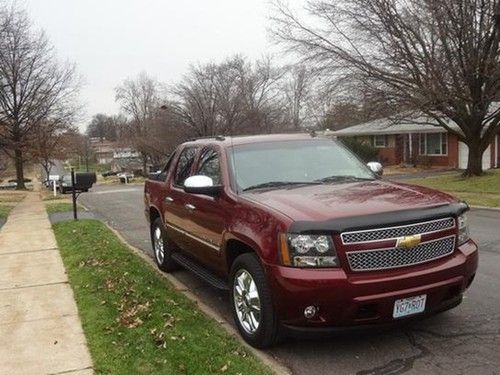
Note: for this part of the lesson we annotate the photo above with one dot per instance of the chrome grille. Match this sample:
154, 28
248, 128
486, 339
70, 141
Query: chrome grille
381, 259
400, 231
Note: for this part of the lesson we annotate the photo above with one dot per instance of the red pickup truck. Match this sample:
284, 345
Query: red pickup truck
306, 238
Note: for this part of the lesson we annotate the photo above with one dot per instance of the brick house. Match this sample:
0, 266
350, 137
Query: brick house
107, 152
415, 143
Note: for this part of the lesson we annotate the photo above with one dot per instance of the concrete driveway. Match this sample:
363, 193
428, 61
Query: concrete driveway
465, 340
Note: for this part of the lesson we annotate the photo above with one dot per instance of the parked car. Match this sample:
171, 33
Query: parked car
65, 184
49, 183
306, 238
108, 173
8, 185
125, 177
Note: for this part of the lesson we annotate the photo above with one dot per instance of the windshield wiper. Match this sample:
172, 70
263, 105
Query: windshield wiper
343, 178
272, 184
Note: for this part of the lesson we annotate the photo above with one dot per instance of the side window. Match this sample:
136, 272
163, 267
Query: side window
184, 164
209, 165
166, 168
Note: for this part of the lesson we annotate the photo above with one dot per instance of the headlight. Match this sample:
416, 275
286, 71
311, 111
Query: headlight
308, 250
463, 229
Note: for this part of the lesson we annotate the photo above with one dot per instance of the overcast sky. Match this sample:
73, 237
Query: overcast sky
111, 40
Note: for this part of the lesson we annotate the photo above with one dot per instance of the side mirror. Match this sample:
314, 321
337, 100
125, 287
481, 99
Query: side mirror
376, 168
201, 185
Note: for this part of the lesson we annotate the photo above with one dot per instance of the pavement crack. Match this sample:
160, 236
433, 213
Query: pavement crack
33, 286
399, 365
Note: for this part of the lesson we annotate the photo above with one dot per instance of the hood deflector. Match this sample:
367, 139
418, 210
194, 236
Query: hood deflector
378, 220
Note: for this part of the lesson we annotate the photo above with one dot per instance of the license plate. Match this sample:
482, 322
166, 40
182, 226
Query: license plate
409, 306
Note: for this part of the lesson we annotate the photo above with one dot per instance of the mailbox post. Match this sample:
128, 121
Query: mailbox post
73, 193
53, 178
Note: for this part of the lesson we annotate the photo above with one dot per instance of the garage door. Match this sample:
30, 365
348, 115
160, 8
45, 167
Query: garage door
463, 155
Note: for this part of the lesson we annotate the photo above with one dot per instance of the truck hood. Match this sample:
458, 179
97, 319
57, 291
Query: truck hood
332, 201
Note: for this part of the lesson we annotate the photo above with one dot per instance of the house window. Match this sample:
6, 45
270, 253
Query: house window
379, 141
434, 144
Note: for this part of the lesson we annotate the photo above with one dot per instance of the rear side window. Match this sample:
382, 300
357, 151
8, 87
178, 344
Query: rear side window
186, 159
209, 165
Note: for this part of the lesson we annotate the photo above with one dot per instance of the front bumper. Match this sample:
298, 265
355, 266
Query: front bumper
346, 299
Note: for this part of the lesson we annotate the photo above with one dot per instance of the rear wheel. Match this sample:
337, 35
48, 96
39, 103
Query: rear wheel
162, 248
252, 308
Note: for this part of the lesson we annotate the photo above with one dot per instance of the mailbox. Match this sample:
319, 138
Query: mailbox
84, 180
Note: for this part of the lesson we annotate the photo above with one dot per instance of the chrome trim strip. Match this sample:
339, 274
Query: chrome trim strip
405, 265
209, 244
396, 227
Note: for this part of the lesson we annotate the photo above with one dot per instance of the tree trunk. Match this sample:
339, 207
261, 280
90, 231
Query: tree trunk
144, 165
18, 160
46, 167
475, 161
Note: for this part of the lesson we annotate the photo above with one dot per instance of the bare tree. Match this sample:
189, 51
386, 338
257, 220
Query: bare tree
298, 92
139, 99
260, 85
231, 97
196, 100
33, 87
106, 127
47, 144
439, 57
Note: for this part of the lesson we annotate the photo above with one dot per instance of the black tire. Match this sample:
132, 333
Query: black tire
267, 332
165, 263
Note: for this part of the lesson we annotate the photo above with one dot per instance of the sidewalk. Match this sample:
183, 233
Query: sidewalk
40, 330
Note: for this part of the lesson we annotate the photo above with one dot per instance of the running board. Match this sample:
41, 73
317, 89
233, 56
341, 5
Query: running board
200, 271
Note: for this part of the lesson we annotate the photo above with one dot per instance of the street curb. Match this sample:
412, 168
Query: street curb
486, 208
179, 286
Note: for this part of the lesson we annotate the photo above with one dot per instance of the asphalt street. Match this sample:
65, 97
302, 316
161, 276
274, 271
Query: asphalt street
465, 340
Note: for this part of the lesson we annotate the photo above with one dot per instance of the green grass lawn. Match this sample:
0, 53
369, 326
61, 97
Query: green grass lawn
4, 210
480, 191
134, 321
56, 207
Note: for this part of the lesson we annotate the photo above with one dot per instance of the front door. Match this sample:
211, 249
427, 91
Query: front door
176, 216
208, 215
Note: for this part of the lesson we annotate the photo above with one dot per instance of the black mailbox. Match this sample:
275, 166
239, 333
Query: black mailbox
84, 180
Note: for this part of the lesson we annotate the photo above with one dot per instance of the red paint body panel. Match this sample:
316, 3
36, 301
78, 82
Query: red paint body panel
256, 219
339, 295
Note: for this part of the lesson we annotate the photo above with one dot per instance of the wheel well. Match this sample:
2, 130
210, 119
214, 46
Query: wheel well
153, 214
234, 249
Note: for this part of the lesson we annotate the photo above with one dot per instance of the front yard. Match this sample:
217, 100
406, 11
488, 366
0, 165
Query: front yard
134, 321
479, 191
8, 200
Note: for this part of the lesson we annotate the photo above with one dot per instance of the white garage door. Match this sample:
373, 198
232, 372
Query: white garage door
463, 155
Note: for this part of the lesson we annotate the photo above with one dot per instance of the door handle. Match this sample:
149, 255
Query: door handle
169, 199
190, 207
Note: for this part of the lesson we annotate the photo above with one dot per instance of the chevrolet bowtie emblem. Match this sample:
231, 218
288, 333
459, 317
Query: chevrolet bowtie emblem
409, 241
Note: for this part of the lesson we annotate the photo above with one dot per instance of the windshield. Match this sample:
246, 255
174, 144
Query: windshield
293, 163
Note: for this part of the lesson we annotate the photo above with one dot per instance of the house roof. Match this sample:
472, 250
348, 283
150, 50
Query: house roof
413, 124
389, 125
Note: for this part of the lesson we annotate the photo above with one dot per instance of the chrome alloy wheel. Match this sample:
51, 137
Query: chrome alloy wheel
158, 245
246, 301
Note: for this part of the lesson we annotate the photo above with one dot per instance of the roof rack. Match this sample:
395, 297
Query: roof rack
216, 137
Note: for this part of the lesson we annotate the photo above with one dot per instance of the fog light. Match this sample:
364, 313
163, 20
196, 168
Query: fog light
310, 311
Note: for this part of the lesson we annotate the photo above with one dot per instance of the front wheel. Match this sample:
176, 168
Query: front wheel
252, 308
161, 247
